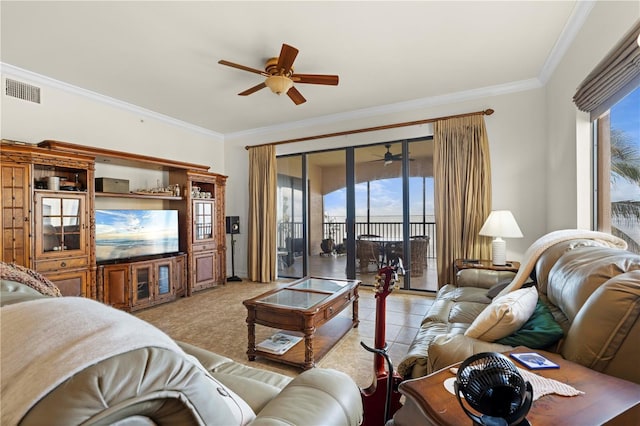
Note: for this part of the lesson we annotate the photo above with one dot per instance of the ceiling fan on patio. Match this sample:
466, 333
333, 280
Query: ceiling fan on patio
389, 158
280, 76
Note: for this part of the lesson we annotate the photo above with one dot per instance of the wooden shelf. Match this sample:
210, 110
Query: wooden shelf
324, 339
133, 195
25, 165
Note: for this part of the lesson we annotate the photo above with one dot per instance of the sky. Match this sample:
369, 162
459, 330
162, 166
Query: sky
625, 115
386, 200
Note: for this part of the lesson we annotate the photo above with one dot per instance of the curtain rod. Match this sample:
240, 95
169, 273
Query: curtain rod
371, 129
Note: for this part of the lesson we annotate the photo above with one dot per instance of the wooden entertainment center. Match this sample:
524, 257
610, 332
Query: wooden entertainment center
49, 202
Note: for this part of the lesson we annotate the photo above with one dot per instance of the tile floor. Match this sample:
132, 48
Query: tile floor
215, 320
404, 313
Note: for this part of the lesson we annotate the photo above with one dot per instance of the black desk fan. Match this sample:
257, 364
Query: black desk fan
492, 385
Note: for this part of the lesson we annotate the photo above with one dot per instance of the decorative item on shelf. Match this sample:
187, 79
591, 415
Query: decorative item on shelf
104, 184
500, 224
77, 182
492, 385
67, 185
53, 183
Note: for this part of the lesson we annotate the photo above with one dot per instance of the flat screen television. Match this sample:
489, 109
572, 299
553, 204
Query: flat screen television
126, 234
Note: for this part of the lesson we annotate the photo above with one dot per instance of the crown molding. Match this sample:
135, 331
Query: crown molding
483, 92
579, 15
9, 70
577, 18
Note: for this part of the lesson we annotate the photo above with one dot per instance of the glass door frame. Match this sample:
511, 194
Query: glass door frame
350, 182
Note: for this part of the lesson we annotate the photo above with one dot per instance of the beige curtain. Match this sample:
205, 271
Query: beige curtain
262, 214
462, 173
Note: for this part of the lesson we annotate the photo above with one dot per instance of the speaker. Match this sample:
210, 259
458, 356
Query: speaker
233, 224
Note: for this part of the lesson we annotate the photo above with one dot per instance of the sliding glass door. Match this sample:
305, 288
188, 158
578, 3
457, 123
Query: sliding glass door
326, 177
291, 250
422, 230
345, 213
378, 209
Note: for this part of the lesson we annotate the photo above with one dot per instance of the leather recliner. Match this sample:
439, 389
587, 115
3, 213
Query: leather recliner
151, 384
593, 292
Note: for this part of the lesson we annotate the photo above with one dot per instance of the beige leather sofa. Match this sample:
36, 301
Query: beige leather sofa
71, 361
592, 290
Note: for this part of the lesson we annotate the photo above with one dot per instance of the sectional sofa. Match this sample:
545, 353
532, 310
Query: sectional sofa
577, 293
71, 360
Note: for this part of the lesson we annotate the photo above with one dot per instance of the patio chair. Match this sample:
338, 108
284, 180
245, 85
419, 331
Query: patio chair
418, 256
367, 252
423, 237
393, 251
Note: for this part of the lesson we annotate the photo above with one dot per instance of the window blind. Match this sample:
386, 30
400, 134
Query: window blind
613, 78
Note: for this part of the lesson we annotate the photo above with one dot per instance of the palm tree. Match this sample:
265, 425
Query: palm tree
625, 164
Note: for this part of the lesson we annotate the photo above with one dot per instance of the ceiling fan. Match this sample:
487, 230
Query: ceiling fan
280, 76
389, 158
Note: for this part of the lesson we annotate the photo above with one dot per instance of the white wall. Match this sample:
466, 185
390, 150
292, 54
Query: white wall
89, 119
567, 138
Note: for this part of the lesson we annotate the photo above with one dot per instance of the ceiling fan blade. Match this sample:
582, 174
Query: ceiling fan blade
242, 67
287, 56
253, 89
329, 80
296, 96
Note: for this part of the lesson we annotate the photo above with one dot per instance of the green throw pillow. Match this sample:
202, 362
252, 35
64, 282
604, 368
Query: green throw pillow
540, 331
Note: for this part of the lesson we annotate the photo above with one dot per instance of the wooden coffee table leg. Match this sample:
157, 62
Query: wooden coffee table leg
308, 348
354, 308
251, 329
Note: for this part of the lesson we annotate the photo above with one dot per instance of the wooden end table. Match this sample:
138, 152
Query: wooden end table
511, 266
606, 399
308, 306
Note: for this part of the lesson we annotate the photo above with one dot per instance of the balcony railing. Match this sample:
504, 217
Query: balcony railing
338, 231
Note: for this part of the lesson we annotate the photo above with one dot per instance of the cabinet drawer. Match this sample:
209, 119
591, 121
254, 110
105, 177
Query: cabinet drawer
58, 264
71, 283
204, 247
338, 305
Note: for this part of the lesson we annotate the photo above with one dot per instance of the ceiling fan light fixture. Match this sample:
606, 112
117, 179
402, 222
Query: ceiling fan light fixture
279, 84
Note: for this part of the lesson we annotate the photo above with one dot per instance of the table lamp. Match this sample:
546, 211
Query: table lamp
500, 224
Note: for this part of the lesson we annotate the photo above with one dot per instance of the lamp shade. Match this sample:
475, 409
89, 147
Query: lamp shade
278, 83
501, 223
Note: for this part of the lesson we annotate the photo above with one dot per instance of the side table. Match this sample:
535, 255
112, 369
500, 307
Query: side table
606, 399
460, 264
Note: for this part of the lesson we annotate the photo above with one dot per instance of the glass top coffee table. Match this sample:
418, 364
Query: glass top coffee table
308, 307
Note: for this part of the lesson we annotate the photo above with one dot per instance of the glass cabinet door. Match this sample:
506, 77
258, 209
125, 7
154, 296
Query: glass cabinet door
142, 289
59, 223
203, 220
164, 279
142, 274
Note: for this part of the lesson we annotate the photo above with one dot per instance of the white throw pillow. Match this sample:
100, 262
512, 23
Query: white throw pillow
504, 315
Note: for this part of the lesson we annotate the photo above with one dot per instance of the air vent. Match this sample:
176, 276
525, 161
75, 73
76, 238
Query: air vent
21, 90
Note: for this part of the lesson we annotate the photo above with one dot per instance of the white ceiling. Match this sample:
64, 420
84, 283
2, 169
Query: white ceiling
162, 56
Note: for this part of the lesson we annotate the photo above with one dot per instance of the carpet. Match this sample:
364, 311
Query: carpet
215, 320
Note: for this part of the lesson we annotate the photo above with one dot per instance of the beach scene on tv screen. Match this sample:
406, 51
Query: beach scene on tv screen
122, 234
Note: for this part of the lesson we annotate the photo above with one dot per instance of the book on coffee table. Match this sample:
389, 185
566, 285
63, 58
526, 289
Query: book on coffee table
278, 344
